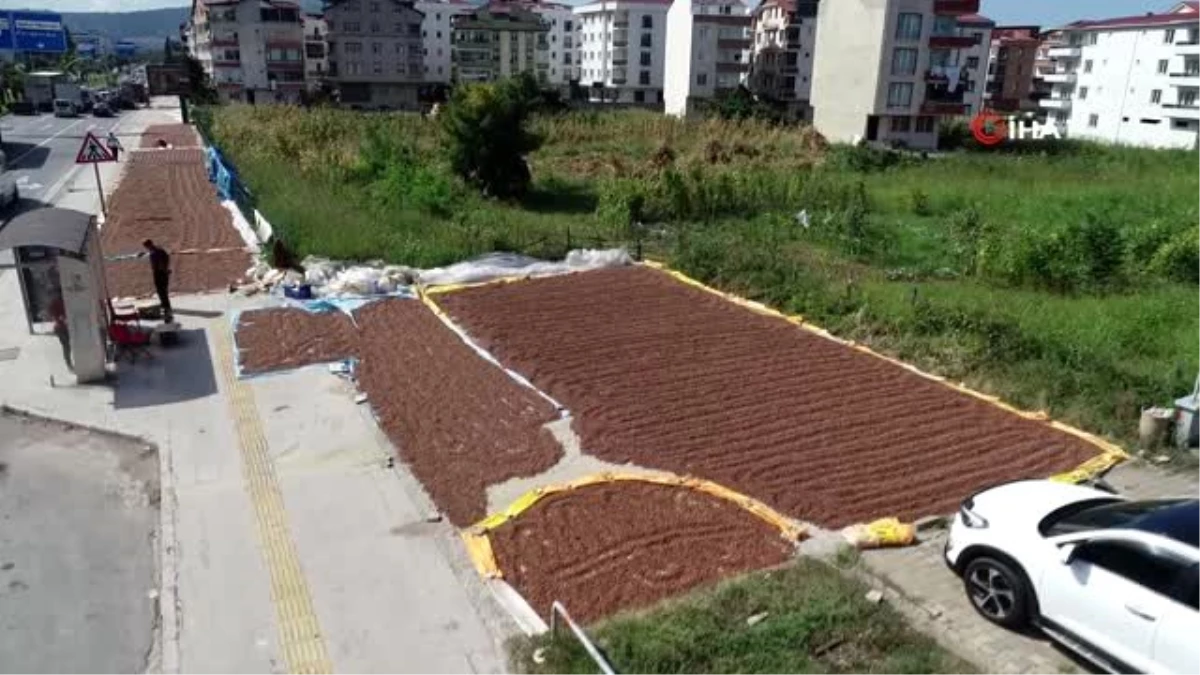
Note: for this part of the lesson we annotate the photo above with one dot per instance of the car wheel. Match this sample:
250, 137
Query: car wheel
997, 591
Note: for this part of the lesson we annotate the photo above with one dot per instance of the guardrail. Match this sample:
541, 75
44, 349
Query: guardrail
556, 610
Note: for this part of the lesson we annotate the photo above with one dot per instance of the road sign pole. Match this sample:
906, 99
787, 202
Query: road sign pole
100, 189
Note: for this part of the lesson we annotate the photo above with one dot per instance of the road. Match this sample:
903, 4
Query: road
78, 512
41, 150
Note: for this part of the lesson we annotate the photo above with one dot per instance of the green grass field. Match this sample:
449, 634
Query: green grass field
816, 621
1061, 276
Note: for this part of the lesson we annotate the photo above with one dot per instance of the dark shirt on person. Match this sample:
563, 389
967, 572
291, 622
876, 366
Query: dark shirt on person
160, 261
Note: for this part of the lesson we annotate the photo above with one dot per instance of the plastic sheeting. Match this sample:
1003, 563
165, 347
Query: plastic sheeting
497, 266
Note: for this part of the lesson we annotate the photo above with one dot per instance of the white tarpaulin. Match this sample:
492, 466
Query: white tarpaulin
500, 265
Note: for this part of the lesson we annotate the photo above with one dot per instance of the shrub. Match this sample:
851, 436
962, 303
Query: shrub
487, 136
920, 202
864, 158
1178, 259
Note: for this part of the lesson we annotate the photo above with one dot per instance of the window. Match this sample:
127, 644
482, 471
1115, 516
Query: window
414, 29
1093, 120
1087, 66
901, 124
977, 37
970, 85
353, 47
647, 22
1083, 93
904, 61
1187, 98
908, 26
376, 48
400, 69
568, 26
377, 68
899, 94
1157, 573
645, 59
399, 48
1093, 38
639, 96
1061, 117
374, 6
1149, 121
1169, 36
702, 79
644, 77
353, 27
972, 61
568, 42
1162, 66
1156, 96
925, 124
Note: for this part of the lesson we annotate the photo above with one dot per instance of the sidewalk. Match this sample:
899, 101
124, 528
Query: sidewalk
288, 544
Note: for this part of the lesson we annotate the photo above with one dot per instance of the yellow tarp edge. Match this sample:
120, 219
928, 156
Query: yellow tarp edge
479, 546
451, 288
1110, 454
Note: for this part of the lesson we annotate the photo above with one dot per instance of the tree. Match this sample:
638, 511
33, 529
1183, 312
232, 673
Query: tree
200, 89
487, 136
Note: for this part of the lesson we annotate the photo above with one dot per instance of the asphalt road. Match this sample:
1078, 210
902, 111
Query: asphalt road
41, 150
78, 513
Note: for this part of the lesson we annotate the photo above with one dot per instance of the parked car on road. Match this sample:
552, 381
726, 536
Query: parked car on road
101, 109
1111, 579
65, 108
10, 195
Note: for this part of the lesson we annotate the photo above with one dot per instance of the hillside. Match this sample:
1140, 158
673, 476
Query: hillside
150, 25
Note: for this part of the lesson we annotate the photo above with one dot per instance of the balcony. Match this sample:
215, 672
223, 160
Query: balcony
620, 37
620, 56
728, 67
943, 108
1065, 52
1059, 77
955, 7
227, 63
733, 43
952, 41
1055, 103
1188, 44
1178, 76
1183, 111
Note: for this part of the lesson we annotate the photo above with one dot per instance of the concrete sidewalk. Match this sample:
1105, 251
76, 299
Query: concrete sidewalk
288, 542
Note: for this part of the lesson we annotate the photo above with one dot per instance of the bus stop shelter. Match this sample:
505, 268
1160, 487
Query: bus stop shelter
57, 252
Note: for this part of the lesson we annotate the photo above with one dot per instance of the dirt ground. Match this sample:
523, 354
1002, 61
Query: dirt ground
625, 545
178, 135
166, 196
671, 377
280, 339
459, 422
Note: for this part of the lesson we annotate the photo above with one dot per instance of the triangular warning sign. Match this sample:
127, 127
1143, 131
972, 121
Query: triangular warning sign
93, 151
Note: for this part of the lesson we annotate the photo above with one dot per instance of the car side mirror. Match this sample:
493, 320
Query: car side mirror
1066, 553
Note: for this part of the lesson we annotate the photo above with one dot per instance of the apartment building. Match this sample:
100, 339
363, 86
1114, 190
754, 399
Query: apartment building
1133, 80
783, 36
316, 59
1012, 68
252, 50
500, 40
975, 59
562, 41
622, 49
436, 34
707, 52
376, 57
887, 70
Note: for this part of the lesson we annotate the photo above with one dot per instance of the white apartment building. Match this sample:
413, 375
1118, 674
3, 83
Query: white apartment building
561, 41
887, 70
252, 50
1133, 80
316, 56
975, 59
708, 52
622, 49
783, 37
436, 31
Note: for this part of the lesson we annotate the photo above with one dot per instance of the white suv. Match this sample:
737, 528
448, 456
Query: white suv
1112, 579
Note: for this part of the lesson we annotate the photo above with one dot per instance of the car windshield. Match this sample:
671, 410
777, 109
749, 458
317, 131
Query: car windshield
1178, 519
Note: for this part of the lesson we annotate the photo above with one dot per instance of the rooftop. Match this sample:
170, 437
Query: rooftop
1182, 13
975, 20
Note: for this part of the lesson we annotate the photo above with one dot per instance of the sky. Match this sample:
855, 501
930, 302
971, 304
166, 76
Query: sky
1046, 13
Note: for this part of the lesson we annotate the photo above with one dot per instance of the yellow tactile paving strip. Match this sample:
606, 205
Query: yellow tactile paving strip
301, 643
